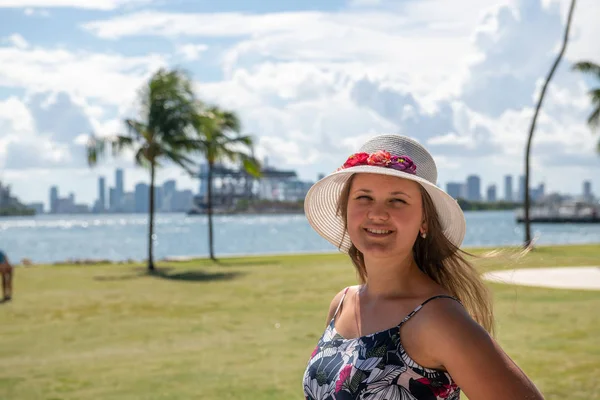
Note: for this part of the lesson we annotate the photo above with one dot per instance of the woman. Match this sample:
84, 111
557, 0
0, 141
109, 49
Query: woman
6, 269
417, 326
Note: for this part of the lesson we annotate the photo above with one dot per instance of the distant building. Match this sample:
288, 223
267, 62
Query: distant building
169, 190
53, 200
587, 191
456, 190
112, 200
295, 190
6, 199
183, 201
119, 187
141, 198
128, 202
491, 194
538, 193
521, 189
67, 205
101, 205
203, 189
508, 188
38, 207
473, 188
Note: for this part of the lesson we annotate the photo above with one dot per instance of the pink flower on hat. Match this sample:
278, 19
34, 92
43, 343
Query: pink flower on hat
380, 158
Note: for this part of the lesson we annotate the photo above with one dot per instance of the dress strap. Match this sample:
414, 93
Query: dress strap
341, 301
416, 310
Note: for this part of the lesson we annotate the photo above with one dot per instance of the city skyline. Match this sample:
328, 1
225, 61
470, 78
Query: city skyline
472, 189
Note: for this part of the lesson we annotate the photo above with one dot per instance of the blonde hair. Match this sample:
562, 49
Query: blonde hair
441, 260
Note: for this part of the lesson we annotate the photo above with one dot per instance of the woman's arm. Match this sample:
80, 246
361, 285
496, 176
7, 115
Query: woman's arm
475, 361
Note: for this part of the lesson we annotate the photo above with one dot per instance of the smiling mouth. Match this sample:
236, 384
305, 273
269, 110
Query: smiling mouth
379, 232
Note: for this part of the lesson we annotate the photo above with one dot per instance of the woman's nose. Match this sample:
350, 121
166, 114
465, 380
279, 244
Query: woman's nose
378, 212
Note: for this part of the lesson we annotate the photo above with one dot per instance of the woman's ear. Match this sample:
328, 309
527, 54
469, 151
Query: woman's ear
424, 228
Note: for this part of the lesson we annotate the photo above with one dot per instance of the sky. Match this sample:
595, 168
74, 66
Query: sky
311, 80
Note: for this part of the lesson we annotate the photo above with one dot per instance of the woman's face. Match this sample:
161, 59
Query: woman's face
385, 214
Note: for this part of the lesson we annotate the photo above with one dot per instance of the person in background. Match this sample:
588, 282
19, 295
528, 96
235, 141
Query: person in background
6, 269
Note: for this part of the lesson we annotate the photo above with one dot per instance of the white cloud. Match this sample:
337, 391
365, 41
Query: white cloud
190, 51
111, 79
17, 40
87, 4
364, 3
36, 12
21, 146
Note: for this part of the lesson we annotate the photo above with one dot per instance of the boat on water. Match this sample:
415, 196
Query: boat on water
565, 212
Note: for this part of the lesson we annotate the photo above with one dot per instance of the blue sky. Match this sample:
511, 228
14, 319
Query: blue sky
310, 79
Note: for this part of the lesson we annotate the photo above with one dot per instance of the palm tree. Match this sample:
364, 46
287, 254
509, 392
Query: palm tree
594, 118
528, 243
167, 107
218, 139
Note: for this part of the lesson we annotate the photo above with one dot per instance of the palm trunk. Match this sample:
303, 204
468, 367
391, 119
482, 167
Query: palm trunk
526, 206
209, 212
151, 219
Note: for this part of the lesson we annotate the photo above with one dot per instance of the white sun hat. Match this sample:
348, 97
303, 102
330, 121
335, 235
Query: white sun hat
393, 155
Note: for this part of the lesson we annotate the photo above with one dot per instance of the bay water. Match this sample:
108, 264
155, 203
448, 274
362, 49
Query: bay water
119, 237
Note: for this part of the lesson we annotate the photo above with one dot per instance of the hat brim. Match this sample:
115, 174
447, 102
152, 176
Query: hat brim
321, 202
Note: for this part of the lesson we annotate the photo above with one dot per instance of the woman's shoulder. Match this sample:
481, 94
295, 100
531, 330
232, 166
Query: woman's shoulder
337, 299
437, 311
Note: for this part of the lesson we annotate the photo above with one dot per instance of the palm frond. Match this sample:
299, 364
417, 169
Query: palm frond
252, 166
137, 129
96, 146
587, 67
594, 118
246, 141
95, 149
120, 143
182, 160
169, 104
140, 158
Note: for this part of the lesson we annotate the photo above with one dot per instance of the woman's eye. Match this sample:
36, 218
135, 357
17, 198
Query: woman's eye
399, 201
363, 198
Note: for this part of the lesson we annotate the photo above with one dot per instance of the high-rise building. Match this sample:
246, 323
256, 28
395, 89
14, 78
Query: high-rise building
203, 190
473, 188
141, 198
455, 190
491, 194
101, 194
158, 198
169, 187
112, 199
521, 188
508, 188
169, 191
537, 193
53, 199
183, 201
119, 189
587, 191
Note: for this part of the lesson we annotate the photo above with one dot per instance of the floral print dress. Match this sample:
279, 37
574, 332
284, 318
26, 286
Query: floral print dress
372, 367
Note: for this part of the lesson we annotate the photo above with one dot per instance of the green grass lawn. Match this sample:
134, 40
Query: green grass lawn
244, 329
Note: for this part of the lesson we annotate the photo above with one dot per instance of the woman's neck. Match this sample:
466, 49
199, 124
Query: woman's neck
389, 278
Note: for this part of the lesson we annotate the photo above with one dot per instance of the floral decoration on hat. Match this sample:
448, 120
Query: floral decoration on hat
381, 158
